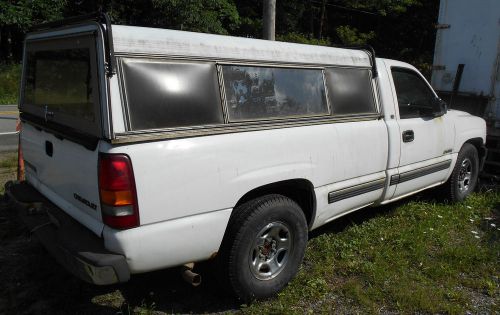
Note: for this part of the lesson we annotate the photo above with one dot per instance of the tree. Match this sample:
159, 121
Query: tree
213, 16
17, 16
400, 29
210, 16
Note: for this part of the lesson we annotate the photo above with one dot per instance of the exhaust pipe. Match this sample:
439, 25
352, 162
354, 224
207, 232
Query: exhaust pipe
189, 276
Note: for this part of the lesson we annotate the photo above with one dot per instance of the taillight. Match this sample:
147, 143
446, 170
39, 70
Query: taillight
117, 191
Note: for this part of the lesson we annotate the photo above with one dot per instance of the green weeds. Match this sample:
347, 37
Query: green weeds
419, 257
8, 165
10, 76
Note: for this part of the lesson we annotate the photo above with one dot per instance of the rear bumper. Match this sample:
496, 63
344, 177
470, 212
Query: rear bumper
76, 248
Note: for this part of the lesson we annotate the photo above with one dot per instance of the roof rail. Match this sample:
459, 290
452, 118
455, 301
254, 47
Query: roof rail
100, 17
369, 49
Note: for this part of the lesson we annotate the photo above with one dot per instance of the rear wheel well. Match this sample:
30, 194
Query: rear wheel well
478, 144
299, 190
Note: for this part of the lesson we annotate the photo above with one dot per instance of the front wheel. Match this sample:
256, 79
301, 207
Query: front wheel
463, 179
264, 246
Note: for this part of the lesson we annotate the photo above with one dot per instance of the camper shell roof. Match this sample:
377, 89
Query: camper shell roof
146, 41
165, 42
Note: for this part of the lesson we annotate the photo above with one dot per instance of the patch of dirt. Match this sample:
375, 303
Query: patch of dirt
33, 283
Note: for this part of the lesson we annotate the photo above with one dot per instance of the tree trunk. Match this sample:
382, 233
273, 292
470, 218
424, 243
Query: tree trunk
311, 19
4, 44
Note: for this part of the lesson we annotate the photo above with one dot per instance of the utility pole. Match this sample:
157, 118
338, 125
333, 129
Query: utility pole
322, 19
269, 18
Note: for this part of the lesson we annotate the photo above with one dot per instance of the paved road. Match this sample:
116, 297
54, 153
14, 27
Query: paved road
8, 135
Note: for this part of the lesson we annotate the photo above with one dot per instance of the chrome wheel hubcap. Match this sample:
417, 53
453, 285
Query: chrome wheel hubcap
465, 175
270, 251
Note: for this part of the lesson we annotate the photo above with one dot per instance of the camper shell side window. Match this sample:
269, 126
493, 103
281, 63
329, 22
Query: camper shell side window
350, 91
165, 94
258, 92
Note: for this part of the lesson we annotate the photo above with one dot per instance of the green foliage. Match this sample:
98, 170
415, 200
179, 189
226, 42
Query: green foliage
10, 76
399, 29
25, 13
214, 16
351, 36
302, 39
420, 257
17, 16
382, 7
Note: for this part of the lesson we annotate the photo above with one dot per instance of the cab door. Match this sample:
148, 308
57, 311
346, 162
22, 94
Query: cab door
426, 133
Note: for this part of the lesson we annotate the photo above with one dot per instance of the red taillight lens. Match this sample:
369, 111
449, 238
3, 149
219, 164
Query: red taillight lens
117, 190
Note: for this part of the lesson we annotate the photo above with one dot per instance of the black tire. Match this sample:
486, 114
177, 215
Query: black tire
457, 188
279, 215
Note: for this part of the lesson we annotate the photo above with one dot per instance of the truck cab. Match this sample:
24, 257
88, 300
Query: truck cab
426, 134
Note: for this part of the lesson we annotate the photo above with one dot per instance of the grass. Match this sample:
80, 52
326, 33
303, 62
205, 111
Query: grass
419, 257
8, 161
10, 76
8, 168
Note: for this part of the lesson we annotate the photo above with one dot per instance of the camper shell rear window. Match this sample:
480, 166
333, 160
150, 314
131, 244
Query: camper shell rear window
61, 84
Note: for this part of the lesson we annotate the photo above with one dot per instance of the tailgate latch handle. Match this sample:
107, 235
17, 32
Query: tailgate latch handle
49, 148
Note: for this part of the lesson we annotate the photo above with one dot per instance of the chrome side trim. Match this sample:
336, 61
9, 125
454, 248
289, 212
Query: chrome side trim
356, 190
152, 135
413, 174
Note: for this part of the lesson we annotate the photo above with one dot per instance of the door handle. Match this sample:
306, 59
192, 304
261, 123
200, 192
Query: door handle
408, 136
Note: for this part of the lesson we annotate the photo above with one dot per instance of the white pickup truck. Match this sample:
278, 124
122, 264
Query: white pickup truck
150, 148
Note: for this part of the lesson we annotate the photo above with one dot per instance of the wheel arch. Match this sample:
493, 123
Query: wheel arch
299, 190
481, 150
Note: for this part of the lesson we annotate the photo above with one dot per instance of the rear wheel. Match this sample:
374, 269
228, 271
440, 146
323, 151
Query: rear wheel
463, 179
264, 246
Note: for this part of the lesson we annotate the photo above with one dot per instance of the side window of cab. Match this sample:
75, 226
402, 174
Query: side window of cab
415, 98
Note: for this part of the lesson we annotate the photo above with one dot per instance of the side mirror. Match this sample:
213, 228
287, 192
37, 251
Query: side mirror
440, 107
444, 106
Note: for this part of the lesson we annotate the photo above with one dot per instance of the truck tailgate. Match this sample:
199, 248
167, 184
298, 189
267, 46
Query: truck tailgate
65, 173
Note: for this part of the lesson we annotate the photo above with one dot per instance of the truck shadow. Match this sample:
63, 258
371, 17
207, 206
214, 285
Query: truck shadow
366, 214
165, 291
33, 283
362, 215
